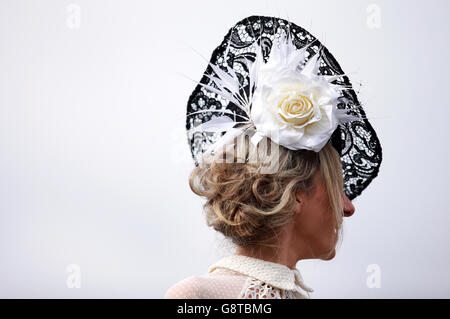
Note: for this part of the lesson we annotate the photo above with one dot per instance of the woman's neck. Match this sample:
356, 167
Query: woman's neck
283, 251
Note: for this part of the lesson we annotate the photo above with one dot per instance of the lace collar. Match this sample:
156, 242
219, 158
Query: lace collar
274, 274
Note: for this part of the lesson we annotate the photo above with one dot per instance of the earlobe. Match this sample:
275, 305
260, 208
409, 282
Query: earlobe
297, 207
299, 197
298, 202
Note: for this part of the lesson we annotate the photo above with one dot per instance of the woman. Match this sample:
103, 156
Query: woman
297, 148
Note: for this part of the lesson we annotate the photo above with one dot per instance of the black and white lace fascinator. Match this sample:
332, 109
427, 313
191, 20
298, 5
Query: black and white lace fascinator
274, 78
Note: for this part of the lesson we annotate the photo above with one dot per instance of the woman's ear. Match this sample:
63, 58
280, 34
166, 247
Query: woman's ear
298, 202
299, 196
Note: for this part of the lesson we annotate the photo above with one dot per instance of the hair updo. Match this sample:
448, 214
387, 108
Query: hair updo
250, 206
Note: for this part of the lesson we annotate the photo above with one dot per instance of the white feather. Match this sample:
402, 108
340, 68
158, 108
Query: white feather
222, 93
216, 124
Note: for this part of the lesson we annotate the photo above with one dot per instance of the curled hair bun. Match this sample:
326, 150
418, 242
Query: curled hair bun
250, 207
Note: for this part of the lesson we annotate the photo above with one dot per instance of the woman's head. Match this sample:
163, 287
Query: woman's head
302, 196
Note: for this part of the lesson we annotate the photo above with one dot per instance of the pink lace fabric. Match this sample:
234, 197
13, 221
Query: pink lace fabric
241, 277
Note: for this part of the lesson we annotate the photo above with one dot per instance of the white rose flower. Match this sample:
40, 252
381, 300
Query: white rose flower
297, 106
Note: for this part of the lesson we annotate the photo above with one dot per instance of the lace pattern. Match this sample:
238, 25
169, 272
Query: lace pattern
256, 289
356, 141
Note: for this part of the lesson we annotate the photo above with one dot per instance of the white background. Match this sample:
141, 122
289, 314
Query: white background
94, 162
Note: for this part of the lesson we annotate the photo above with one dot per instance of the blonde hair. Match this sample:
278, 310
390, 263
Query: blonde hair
250, 206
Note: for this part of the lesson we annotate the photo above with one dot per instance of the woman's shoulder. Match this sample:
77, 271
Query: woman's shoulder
187, 288
213, 285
